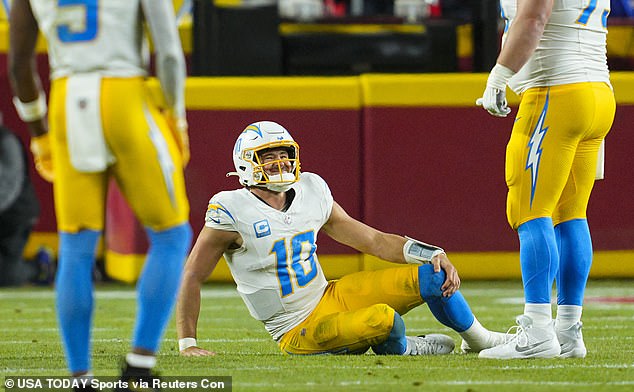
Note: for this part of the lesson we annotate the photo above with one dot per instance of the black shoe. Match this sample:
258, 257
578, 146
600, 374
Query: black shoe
136, 379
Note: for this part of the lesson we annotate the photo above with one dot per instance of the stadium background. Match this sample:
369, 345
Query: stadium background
408, 153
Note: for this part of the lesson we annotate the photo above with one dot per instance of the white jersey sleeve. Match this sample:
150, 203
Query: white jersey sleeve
277, 271
572, 48
170, 60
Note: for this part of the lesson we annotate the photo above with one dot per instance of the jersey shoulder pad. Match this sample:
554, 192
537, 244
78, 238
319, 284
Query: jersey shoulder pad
219, 209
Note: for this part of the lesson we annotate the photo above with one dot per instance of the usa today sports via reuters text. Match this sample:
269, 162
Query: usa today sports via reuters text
46, 384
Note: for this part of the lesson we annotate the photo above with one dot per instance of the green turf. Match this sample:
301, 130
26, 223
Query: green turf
30, 346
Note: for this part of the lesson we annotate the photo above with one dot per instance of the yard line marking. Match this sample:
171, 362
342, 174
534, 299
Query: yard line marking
308, 365
31, 371
26, 329
428, 382
125, 293
540, 383
245, 340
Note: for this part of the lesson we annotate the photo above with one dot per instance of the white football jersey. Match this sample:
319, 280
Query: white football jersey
80, 37
572, 48
276, 270
108, 38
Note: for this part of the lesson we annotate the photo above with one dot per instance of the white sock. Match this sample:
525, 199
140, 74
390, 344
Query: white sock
408, 350
568, 315
476, 335
541, 314
141, 361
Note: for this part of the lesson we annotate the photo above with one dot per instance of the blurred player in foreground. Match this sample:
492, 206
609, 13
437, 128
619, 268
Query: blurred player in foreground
102, 123
554, 56
267, 232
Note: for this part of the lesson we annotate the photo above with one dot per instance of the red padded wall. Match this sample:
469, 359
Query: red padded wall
329, 146
437, 174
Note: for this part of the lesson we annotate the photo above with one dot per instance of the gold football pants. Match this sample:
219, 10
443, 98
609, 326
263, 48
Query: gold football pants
551, 157
356, 312
149, 175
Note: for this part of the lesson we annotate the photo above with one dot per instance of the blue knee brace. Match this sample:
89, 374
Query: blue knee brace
454, 311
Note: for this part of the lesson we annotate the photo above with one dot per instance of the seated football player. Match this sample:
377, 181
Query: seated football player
267, 233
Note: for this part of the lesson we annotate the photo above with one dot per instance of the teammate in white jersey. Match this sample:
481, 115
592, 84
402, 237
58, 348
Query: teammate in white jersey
267, 232
103, 122
553, 55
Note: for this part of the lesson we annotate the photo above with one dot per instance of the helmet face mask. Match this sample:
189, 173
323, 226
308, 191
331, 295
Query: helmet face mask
257, 139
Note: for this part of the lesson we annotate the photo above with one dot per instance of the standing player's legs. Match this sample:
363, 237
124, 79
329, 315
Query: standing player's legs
571, 226
149, 173
80, 222
540, 155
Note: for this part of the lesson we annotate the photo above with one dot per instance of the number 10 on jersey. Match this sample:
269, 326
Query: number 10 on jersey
290, 270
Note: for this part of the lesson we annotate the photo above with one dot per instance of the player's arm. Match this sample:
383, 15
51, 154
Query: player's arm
525, 32
29, 98
25, 81
390, 247
520, 42
202, 260
345, 229
170, 66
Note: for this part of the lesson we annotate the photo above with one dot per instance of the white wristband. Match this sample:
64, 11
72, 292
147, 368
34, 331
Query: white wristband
31, 111
418, 252
499, 76
185, 343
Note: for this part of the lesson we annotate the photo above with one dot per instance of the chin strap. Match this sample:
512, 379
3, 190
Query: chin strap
279, 187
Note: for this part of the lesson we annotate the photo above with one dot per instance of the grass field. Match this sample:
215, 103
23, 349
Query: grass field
30, 345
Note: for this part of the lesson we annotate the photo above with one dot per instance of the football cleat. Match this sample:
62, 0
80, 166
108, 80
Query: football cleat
571, 341
432, 344
494, 339
527, 342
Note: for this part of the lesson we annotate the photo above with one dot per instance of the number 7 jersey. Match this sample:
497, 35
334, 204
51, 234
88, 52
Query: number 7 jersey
276, 269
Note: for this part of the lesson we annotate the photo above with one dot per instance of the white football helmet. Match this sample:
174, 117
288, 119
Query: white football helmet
256, 138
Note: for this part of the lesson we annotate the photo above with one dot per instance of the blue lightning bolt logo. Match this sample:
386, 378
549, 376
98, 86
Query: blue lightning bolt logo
535, 149
215, 211
253, 128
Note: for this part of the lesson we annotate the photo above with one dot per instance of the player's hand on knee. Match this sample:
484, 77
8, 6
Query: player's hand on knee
196, 352
41, 149
452, 281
